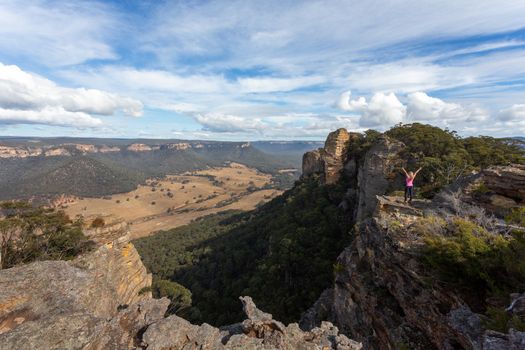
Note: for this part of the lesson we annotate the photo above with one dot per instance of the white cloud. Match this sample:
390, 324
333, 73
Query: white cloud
57, 116
382, 109
346, 104
513, 113
258, 85
407, 76
422, 107
218, 122
386, 110
25, 96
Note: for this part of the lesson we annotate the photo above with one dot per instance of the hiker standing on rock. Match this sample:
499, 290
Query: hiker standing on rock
409, 181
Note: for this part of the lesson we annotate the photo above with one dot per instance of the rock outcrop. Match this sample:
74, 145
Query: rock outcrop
259, 331
381, 295
508, 181
75, 304
330, 160
313, 163
335, 149
497, 189
139, 147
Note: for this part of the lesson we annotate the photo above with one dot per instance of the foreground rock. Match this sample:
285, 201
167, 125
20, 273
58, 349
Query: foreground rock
102, 301
259, 331
70, 305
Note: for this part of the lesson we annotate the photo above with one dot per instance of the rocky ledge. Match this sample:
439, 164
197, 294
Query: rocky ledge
102, 300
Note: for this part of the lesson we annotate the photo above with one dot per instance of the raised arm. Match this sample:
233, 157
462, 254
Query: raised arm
406, 174
417, 171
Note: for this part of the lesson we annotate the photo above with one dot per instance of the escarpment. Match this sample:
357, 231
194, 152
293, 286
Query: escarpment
382, 294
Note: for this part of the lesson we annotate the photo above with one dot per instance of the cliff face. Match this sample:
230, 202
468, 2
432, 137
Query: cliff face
381, 295
67, 304
377, 175
101, 301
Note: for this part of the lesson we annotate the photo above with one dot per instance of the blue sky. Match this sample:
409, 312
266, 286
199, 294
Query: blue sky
254, 70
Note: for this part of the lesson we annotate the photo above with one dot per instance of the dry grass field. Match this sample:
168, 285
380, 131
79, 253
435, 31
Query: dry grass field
178, 199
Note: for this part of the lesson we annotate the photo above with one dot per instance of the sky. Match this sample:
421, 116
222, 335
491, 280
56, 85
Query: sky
260, 70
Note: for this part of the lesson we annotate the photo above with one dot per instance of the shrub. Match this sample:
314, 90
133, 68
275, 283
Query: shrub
30, 234
501, 321
98, 222
516, 216
179, 296
476, 262
481, 188
145, 290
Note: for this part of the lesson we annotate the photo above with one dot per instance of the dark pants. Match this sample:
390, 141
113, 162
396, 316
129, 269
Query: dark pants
409, 191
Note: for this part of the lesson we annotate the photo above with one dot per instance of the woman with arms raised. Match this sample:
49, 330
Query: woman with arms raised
409, 184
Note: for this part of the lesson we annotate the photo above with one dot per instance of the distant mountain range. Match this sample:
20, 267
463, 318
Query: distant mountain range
96, 167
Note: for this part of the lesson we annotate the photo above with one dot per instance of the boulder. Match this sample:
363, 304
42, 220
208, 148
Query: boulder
508, 181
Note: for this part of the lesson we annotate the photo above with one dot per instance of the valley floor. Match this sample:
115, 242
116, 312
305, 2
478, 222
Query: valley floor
178, 199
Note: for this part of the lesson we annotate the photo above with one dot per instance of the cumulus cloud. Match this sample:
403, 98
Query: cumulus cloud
57, 116
346, 104
384, 110
30, 98
422, 107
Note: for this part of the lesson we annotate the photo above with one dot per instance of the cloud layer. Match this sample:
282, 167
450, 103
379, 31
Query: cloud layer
249, 69
29, 98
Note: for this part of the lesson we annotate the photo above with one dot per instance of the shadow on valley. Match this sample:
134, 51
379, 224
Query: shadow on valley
281, 254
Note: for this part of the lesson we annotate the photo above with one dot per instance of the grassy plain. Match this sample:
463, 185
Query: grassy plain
178, 199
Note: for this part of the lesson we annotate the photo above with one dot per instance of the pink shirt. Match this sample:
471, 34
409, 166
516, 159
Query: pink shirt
409, 181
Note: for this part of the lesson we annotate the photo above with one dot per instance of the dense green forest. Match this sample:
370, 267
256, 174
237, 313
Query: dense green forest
281, 254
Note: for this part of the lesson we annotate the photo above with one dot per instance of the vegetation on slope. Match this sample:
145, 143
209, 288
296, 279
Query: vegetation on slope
28, 234
479, 263
445, 156
99, 174
281, 254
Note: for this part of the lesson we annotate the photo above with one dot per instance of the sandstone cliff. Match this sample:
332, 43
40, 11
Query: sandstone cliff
67, 304
102, 301
329, 161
